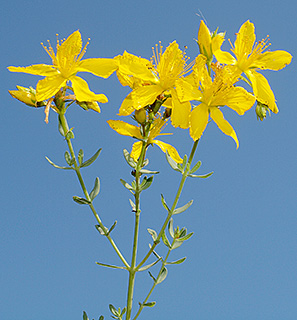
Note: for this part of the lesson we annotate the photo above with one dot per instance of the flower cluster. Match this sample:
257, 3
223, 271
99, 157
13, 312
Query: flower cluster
165, 86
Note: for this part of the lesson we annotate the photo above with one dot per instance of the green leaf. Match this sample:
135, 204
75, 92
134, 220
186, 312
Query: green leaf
81, 200
127, 185
110, 266
91, 160
132, 205
152, 276
56, 166
172, 163
185, 161
124, 311
176, 244
203, 176
179, 261
129, 159
153, 233
186, 237
80, 156
183, 208
112, 227
145, 171
149, 265
170, 228
100, 230
163, 275
146, 182
69, 135
96, 189
85, 317
101, 318
149, 304
155, 253
196, 167
113, 310
164, 203
67, 158
145, 162
165, 240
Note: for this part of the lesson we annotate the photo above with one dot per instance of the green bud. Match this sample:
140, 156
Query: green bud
27, 96
261, 111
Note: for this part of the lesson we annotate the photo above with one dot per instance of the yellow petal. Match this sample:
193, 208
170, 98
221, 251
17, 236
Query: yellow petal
217, 42
224, 57
136, 150
180, 112
275, 60
124, 128
146, 95
218, 117
236, 98
186, 91
101, 67
245, 40
36, 69
49, 86
198, 121
204, 40
126, 106
70, 48
83, 93
170, 149
262, 90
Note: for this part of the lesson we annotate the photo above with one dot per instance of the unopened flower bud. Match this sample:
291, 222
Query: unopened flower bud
86, 105
27, 96
140, 116
261, 110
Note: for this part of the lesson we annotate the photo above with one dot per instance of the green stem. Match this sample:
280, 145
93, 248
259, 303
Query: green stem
132, 269
170, 213
81, 181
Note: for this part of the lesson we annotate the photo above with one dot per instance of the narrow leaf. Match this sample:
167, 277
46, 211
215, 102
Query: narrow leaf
127, 185
145, 171
149, 304
96, 189
155, 253
69, 135
80, 200
129, 159
183, 208
163, 275
56, 166
203, 176
170, 228
146, 182
132, 205
171, 162
196, 167
185, 160
164, 203
80, 156
60, 128
186, 237
145, 162
110, 266
153, 233
176, 244
67, 158
101, 318
100, 230
152, 276
177, 261
113, 310
149, 265
85, 317
112, 227
91, 160
165, 240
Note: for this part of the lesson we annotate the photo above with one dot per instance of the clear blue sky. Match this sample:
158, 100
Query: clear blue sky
241, 262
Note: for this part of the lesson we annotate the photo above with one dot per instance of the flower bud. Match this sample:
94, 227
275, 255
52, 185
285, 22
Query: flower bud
261, 111
27, 96
86, 105
140, 116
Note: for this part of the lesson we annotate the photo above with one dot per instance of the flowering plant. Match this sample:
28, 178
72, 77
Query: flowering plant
164, 89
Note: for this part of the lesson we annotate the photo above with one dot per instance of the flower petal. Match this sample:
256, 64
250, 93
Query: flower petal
186, 91
275, 60
262, 89
136, 150
170, 149
245, 40
126, 106
125, 128
180, 112
83, 93
36, 69
49, 86
236, 98
146, 95
204, 40
70, 48
101, 67
224, 57
218, 117
198, 121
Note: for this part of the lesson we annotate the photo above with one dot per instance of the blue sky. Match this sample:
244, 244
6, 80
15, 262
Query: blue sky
241, 262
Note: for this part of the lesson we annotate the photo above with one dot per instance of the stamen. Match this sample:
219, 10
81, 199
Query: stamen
83, 50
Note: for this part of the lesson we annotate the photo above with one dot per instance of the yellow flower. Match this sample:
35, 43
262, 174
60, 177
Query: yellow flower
130, 130
212, 96
150, 80
208, 43
66, 63
250, 56
27, 96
